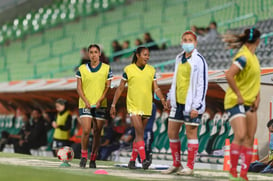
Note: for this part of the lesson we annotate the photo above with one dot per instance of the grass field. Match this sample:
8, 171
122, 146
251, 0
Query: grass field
16, 167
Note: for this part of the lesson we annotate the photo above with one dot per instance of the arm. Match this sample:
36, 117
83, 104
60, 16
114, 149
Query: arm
81, 94
199, 94
116, 97
159, 94
107, 86
67, 125
105, 143
234, 70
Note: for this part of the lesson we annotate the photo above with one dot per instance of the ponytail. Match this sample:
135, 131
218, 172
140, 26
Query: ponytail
237, 40
138, 51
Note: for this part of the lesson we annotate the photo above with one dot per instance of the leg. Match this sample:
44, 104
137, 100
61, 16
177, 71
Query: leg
97, 127
238, 125
175, 145
191, 132
247, 146
139, 132
86, 128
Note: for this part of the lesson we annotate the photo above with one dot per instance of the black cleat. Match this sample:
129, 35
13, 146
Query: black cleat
92, 164
132, 165
146, 164
83, 162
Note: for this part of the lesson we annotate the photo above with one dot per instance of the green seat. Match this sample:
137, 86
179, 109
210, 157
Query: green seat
219, 142
214, 132
160, 140
204, 133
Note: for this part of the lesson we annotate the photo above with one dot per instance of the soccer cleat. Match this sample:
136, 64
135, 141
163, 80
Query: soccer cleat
243, 178
185, 171
146, 164
233, 178
132, 165
172, 169
92, 164
83, 162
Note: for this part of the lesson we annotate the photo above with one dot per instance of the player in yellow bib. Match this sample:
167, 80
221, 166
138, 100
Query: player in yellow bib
62, 125
242, 98
141, 81
93, 82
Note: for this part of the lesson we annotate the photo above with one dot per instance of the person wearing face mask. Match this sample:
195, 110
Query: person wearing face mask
141, 80
186, 98
242, 97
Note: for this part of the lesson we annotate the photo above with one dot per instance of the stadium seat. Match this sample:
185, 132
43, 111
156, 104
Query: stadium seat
216, 122
219, 142
204, 133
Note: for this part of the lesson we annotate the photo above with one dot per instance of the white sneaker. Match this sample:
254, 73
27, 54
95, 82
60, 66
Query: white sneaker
172, 169
185, 171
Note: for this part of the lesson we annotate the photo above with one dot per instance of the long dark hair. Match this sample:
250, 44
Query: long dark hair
250, 35
138, 51
93, 45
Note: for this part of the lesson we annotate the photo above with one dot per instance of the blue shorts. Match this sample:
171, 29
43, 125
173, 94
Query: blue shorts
57, 144
237, 111
178, 115
99, 113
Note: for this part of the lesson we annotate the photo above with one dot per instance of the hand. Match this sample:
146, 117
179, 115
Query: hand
194, 114
54, 124
169, 104
21, 142
255, 106
87, 104
240, 99
113, 112
165, 104
98, 104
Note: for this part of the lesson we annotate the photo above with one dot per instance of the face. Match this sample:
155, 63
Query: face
125, 45
143, 57
25, 118
35, 114
59, 107
146, 37
137, 42
188, 38
94, 54
270, 129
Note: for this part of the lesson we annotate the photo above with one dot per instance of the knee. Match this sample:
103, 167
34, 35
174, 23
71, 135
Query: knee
240, 136
85, 132
173, 134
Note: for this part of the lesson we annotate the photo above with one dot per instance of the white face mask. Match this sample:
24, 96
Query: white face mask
188, 47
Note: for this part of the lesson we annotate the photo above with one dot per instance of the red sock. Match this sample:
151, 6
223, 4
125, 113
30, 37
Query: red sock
192, 151
84, 153
235, 151
134, 152
175, 146
246, 159
93, 157
141, 150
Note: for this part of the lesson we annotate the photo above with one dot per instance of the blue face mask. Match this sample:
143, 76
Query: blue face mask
188, 47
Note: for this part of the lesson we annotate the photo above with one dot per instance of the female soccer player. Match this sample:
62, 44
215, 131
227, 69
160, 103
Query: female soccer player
141, 81
62, 125
187, 100
242, 98
93, 82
